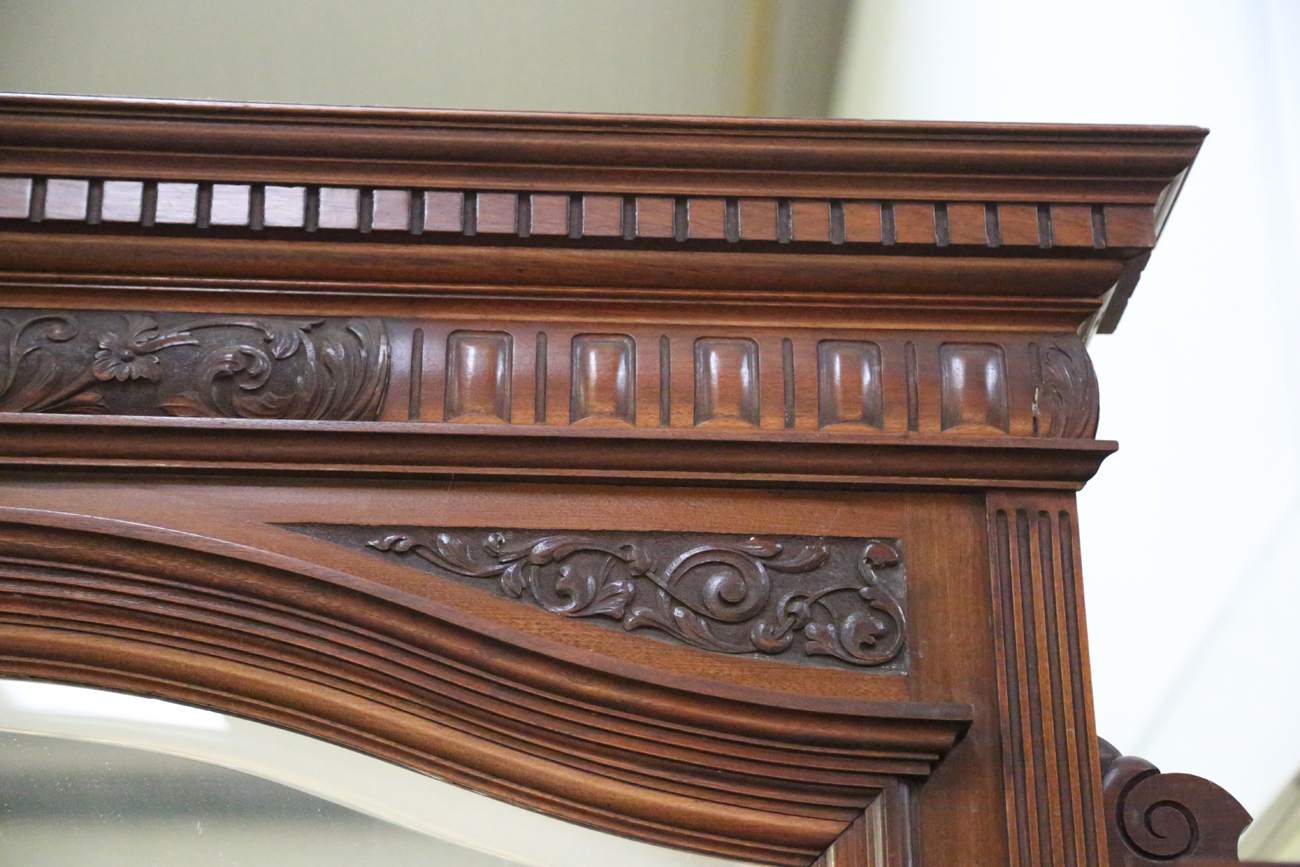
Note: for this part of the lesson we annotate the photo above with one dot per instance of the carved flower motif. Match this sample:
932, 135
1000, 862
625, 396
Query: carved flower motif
121, 358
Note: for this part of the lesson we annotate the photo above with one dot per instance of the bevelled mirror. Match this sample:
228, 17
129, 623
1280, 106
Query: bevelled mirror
92, 777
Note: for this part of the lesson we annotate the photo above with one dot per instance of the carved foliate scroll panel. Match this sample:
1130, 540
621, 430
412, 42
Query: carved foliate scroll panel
648, 377
167, 364
798, 599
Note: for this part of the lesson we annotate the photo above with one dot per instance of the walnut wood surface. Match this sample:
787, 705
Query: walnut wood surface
1152, 817
239, 339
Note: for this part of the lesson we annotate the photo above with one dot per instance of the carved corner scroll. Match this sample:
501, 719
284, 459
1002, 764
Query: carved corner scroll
178, 365
1154, 818
801, 599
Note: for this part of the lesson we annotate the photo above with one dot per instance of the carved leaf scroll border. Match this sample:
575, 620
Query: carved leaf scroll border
636, 588
341, 371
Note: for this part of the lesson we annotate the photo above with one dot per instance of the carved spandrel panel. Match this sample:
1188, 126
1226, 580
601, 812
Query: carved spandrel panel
169, 364
805, 599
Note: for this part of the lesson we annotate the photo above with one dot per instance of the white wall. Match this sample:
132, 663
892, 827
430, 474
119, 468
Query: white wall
1191, 533
559, 55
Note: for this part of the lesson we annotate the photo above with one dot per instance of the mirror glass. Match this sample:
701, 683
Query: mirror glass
90, 777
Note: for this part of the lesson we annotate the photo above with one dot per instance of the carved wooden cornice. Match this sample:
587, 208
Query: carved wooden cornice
1034, 224
286, 396
839, 282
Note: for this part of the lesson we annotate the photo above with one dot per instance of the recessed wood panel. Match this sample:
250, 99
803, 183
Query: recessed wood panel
497, 214
66, 199
726, 382
392, 210
178, 204
478, 376
849, 386
602, 216
810, 221
548, 215
340, 208
757, 219
603, 387
123, 202
973, 393
15, 197
914, 223
284, 206
1018, 225
862, 222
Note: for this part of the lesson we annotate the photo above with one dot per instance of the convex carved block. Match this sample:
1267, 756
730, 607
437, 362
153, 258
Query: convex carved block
802, 599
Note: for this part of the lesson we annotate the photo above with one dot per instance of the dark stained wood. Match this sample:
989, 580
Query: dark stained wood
1152, 818
708, 482
1053, 796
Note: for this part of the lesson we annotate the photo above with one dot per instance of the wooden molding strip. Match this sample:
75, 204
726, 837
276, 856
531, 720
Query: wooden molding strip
625, 155
534, 453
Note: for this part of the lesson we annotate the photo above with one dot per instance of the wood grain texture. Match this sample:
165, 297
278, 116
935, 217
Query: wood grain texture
794, 158
549, 215
66, 199
479, 377
1153, 818
1037, 385
392, 210
582, 370
444, 211
706, 219
323, 653
1050, 752
604, 379
602, 216
806, 600
15, 197
578, 454
496, 213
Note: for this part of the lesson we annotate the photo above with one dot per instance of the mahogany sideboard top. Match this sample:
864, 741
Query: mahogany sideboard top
705, 481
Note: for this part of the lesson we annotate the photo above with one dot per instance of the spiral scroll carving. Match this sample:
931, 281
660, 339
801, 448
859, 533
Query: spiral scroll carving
1154, 818
176, 365
802, 597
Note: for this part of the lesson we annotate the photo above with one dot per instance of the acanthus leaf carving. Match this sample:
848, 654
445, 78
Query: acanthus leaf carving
842, 597
1066, 402
218, 367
